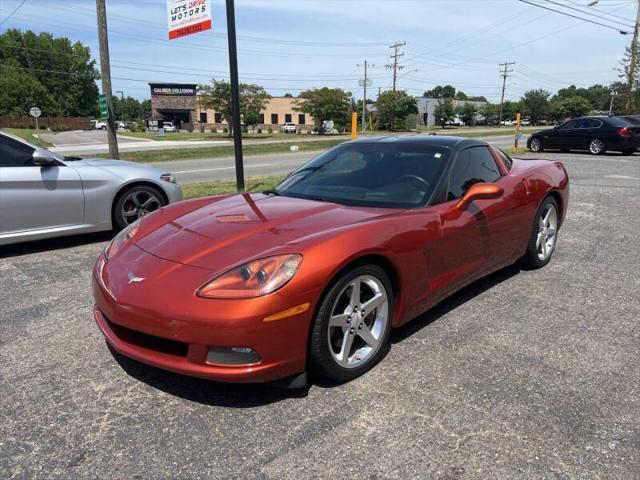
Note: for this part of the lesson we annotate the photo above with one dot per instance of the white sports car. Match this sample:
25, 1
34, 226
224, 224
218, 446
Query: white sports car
43, 194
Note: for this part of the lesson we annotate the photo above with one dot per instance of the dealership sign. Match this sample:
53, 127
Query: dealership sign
188, 16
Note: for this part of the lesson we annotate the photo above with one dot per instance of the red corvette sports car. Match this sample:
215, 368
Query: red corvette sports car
314, 273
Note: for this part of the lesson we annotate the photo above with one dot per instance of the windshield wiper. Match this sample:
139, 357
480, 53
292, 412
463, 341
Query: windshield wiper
271, 191
71, 159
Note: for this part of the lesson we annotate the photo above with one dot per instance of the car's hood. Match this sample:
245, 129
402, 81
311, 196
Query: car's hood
228, 232
103, 162
543, 132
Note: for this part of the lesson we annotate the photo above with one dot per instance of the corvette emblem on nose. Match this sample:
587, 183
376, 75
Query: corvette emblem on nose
133, 279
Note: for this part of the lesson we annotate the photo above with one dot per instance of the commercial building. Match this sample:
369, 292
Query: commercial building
427, 107
181, 104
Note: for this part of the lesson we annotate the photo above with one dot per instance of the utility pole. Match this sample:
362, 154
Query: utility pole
395, 66
235, 95
504, 73
105, 73
365, 83
633, 73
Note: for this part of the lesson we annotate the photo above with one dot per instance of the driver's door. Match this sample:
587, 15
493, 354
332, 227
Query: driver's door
36, 197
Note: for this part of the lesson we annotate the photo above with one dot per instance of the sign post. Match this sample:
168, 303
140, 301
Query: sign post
35, 112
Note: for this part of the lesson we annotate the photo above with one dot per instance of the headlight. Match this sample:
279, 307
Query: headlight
253, 279
121, 239
167, 177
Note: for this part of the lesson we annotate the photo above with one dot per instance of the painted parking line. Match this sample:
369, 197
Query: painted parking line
623, 177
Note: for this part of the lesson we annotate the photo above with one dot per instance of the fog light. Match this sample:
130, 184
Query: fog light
232, 356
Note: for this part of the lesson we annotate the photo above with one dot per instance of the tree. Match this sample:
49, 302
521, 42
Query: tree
288, 95
510, 110
467, 113
563, 108
535, 104
128, 109
444, 112
394, 108
217, 96
489, 113
60, 75
447, 91
325, 104
598, 95
629, 79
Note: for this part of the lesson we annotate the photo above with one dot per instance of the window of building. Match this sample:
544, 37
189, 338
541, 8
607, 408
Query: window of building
301, 119
218, 117
288, 118
274, 119
14, 154
473, 165
261, 118
203, 117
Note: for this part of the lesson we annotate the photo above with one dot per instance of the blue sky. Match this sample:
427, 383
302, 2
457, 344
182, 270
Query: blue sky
292, 45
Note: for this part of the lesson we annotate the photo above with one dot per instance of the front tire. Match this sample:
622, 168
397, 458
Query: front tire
597, 146
536, 145
542, 242
134, 203
350, 333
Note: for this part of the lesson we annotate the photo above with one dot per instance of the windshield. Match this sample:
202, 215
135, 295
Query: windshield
391, 175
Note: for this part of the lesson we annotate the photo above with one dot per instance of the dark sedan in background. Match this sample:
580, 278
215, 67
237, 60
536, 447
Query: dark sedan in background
597, 134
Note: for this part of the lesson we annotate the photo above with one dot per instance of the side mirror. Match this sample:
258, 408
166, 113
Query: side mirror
43, 158
480, 191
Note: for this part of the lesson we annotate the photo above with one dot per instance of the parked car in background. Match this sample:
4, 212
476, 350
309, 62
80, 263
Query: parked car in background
597, 134
169, 127
44, 195
98, 125
289, 127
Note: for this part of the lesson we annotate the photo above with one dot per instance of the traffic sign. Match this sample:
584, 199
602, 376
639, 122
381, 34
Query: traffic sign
35, 112
188, 16
104, 108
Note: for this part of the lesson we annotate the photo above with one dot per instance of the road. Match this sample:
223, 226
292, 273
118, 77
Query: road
211, 169
525, 374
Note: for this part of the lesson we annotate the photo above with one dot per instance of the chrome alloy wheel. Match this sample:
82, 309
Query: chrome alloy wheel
535, 145
596, 146
137, 204
359, 319
547, 232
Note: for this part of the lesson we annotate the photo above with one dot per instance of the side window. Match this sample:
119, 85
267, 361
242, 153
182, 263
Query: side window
506, 159
14, 154
473, 165
569, 125
591, 123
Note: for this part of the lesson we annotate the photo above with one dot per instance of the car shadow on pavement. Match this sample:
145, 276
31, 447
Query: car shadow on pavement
51, 244
453, 302
207, 392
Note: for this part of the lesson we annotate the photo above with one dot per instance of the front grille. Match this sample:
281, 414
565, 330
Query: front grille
150, 342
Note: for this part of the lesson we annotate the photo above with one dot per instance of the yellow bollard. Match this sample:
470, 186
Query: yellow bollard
354, 125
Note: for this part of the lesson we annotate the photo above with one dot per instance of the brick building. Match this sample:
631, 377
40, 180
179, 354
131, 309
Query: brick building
180, 103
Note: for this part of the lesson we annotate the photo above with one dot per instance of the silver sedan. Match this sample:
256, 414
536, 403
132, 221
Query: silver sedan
45, 195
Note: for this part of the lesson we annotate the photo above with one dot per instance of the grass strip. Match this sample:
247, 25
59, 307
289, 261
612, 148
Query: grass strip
221, 187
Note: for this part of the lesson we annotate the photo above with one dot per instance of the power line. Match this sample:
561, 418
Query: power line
13, 12
587, 13
623, 32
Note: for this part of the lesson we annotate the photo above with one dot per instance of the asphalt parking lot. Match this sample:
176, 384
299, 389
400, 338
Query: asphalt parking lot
525, 374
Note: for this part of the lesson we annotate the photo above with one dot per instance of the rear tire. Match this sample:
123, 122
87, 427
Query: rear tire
544, 235
350, 333
133, 203
597, 146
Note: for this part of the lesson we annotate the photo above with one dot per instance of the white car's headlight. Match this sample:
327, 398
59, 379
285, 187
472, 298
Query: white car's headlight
167, 177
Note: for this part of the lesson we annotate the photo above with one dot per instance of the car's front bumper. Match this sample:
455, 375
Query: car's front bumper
152, 328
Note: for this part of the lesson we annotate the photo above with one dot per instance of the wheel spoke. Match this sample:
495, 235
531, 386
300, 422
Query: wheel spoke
365, 334
149, 201
129, 213
545, 219
539, 240
339, 321
355, 295
347, 342
372, 304
135, 199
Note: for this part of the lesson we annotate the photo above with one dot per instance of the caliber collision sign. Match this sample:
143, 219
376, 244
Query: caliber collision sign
188, 16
